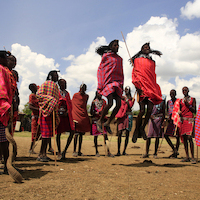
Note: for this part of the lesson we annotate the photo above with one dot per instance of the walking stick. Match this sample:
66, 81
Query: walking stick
34, 141
138, 96
54, 135
12, 115
104, 137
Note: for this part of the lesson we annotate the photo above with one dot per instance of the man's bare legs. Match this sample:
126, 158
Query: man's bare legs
68, 143
105, 111
139, 126
187, 138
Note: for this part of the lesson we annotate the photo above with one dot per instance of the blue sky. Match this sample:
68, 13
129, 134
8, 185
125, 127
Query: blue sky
50, 31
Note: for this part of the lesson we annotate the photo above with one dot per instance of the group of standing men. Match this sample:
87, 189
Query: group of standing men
9, 101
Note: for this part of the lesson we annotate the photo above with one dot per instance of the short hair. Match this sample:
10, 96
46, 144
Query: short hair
83, 85
174, 91
50, 74
59, 81
31, 86
4, 53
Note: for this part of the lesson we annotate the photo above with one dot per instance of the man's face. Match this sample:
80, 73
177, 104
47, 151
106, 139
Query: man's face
11, 62
172, 94
145, 49
55, 77
115, 47
63, 85
185, 91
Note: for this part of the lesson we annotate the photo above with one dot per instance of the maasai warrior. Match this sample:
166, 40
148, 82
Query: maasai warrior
187, 111
110, 81
80, 115
95, 110
171, 126
12, 61
6, 96
144, 79
125, 118
156, 127
16, 101
65, 113
34, 106
48, 96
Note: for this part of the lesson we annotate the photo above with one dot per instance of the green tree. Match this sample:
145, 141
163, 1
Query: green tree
27, 111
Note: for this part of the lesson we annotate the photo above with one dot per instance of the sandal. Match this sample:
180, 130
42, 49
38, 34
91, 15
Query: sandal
118, 154
193, 161
186, 160
174, 155
124, 153
145, 156
110, 155
80, 154
75, 154
97, 154
155, 156
51, 150
44, 159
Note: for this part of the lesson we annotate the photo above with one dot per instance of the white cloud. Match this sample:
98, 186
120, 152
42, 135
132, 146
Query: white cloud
180, 60
191, 10
32, 68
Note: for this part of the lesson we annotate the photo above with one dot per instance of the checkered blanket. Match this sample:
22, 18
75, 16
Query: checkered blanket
110, 75
48, 96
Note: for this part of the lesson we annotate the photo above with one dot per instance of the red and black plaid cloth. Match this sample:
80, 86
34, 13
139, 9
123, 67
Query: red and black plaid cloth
110, 75
197, 127
48, 96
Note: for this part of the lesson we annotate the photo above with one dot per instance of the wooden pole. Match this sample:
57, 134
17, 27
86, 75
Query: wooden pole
197, 154
138, 97
12, 114
38, 126
54, 135
104, 137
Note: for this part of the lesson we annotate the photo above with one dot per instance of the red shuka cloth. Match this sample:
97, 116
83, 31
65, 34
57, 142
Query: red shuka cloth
6, 95
63, 120
79, 112
110, 75
124, 108
186, 125
144, 78
35, 114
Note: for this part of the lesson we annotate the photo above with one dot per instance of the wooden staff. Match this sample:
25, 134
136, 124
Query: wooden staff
138, 96
197, 154
12, 115
34, 141
104, 137
54, 135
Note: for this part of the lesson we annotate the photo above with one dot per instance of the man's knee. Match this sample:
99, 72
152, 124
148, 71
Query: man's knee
142, 111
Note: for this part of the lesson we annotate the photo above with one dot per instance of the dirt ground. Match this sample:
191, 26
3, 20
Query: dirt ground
89, 177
